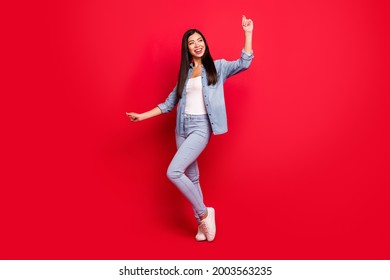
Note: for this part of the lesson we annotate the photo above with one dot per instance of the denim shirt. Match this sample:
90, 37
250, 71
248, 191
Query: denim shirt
213, 95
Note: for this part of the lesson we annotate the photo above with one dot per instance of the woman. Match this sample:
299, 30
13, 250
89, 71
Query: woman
201, 110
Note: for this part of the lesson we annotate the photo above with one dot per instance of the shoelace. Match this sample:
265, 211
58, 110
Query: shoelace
204, 228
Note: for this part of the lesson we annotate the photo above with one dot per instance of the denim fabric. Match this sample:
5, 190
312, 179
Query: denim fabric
213, 94
183, 170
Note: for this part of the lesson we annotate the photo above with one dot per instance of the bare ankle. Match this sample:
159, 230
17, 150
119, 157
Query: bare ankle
204, 216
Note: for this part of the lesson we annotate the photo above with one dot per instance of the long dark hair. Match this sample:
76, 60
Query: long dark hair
186, 60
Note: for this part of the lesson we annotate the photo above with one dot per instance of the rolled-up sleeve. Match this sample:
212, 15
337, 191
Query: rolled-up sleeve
169, 103
231, 68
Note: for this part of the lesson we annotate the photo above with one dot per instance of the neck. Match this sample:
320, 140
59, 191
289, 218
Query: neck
197, 62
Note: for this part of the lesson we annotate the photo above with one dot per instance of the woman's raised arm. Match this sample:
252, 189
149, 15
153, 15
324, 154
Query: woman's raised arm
247, 26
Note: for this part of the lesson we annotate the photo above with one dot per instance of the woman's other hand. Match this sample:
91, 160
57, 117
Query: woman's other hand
134, 117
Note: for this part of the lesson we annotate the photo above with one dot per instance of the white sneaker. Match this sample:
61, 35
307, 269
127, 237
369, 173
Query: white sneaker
200, 235
207, 226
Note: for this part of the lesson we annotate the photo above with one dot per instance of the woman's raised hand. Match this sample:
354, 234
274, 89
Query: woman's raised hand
247, 24
134, 117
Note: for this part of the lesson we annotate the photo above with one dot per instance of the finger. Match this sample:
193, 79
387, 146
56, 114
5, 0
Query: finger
243, 20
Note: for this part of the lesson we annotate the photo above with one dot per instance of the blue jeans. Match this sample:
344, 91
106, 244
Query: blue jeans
183, 170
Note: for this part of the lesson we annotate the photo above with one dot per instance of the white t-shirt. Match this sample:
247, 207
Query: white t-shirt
194, 98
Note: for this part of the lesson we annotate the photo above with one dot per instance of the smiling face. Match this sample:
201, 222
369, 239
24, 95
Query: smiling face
196, 45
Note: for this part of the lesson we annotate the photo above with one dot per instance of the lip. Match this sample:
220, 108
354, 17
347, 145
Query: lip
198, 51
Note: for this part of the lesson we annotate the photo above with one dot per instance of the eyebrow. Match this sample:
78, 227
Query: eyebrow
200, 38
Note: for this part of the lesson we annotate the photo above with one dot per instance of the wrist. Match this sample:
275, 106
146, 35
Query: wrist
141, 117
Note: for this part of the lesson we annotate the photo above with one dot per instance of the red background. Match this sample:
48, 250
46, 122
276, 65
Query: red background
302, 173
